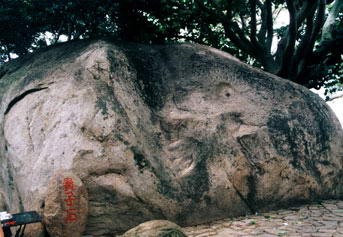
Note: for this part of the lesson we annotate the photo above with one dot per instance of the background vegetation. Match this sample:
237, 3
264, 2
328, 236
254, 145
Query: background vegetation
307, 51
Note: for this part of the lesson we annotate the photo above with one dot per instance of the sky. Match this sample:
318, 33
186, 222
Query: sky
337, 107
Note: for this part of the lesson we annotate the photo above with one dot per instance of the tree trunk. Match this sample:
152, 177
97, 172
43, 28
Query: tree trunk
331, 21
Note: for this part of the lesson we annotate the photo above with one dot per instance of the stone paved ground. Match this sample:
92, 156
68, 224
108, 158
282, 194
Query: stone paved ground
315, 220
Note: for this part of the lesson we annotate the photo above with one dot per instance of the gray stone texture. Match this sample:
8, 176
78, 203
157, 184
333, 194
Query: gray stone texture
180, 132
155, 228
312, 220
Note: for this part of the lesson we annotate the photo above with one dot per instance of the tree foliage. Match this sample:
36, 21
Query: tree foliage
308, 50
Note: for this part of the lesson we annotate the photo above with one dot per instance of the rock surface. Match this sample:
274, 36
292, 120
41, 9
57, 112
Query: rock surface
157, 228
66, 206
180, 132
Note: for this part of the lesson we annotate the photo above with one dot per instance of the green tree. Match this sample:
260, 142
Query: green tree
308, 50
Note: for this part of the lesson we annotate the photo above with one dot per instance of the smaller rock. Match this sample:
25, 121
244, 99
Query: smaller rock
156, 228
66, 205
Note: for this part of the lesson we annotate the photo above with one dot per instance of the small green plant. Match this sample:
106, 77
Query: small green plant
280, 233
172, 233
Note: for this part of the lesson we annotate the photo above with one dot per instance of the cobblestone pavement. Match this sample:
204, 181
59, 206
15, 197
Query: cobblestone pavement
315, 220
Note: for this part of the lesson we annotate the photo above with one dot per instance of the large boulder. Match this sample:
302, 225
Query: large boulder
180, 132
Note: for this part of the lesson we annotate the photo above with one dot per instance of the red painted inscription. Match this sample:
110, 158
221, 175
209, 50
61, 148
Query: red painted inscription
69, 188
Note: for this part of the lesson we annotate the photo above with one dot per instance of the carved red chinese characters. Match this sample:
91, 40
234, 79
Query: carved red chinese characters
70, 211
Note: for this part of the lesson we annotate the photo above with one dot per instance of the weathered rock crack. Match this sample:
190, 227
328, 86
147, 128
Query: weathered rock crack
22, 96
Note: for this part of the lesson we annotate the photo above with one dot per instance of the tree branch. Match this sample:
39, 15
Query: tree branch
263, 30
269, 25
202, 7
329, 24
291, 38
232, 30
243, 45
253, 22
335, 97
306, 52
320, 19
265, 37
307, 9
58, 33
303, 47
242, 21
